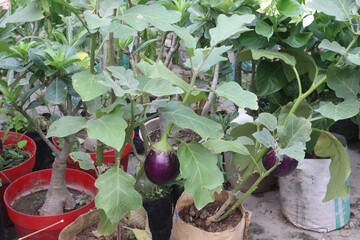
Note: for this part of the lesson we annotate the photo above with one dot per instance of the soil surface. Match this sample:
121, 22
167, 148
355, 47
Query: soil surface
91, 233
191, 215
31, 204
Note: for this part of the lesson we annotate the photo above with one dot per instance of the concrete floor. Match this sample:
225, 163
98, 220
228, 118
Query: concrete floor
268, 223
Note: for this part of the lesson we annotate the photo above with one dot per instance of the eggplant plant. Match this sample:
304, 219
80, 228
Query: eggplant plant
115, 99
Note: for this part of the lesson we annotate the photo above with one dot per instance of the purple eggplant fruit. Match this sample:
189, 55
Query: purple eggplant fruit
161, 168
286, 166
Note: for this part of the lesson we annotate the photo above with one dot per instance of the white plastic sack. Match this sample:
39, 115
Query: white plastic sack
301, 195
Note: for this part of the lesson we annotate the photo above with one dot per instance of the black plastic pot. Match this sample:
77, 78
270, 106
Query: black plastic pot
176, 192
44, 156
346, 128
160, 213
2, 227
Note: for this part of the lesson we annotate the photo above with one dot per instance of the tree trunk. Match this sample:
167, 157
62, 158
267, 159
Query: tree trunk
57, 196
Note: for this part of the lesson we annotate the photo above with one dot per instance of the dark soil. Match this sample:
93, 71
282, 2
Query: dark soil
186, 135
31, 203
90, 233
12, 157
197, 218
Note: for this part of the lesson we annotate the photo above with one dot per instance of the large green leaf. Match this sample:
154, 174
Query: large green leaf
158, 70
233, 92
199, 167
107, 7
340, 9
303, 110
289, 8
94, 21
106, 227
332, 46
66, 126
9, 64
255, 54
304, 64
264, 29
184, 117
88, 86
268, 120
140, 16
328, 146
265, 138
345, 82
116, 194
295, 151
228, 26
296, 129
157, 86
120, 30
343, 110
56, 92
31, 13
214, 57
297, 40
270, 77
109, 129
220, 146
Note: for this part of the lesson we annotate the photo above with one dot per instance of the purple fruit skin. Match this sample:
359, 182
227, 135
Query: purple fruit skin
286, 167
161, 168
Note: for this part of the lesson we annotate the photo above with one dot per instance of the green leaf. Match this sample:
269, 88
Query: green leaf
184, 117
255, 54
264, 29
158, 70
66, 126
116, 194
199, 167
9, 64
107, 7
270, 77
328, 146
296, 129
140, 16
343, 110
125, 76
214, 57
106, 227
120, 30
56, 92
289, 8
140, 234
31, 13
158, 86
220, 146
21, 143
332, 46
233, 92
304, 64
296, 151
109, 129
304, 110
340, 9
228, 26
345, 82
84, 160
94, 21
298, 40
265, 138
88, 86
268, 120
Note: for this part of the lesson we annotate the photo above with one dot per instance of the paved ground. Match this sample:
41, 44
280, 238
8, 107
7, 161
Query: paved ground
267, 222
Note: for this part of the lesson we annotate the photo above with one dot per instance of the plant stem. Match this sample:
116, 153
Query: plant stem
214, 83
298, 80
92, 52
99, 153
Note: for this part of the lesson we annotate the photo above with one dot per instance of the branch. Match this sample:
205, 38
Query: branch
174, 47
213, 87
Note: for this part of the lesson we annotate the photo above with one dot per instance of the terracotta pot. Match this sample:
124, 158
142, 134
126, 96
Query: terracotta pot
185, 231
264, 186
29, 224
109, 157
10, 175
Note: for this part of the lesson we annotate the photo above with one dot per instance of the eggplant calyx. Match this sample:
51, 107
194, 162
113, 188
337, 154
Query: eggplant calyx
163, 145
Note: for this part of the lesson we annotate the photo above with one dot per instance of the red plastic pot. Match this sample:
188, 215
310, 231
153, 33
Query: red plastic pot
28, 224
109, 157
14, 173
